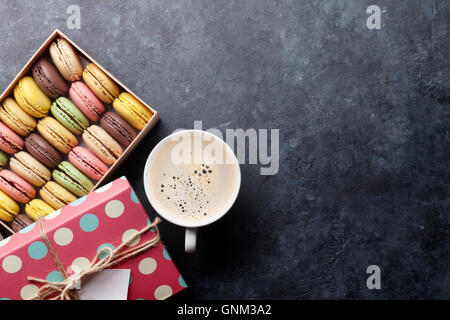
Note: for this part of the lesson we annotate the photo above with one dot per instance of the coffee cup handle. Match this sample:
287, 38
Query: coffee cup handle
190, 240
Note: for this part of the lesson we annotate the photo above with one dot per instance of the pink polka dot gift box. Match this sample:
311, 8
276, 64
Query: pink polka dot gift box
107, 229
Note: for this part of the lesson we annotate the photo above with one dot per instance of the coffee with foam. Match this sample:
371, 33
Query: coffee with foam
193, 177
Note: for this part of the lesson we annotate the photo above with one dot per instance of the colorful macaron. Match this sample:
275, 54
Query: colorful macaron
31, 98
132, 110
10, 142
16, 118
16, 187
20, 222
87, 163
102, 144
49, 79
69, 115
118, 128
86, 101
56, 134
9, 208
3, 159
56, 195
72, 179
66, 59
100, 83
39, 148
37, 208
30, 169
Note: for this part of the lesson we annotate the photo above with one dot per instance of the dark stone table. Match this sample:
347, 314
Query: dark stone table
363, 117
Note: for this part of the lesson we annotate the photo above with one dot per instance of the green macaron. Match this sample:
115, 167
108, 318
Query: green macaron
72, 179
3, 159
69, 115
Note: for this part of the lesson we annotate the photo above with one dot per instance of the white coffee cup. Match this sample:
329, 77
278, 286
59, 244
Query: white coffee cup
191, 225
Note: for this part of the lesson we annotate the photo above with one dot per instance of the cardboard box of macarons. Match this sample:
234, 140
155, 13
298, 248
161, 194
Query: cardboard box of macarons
66, 124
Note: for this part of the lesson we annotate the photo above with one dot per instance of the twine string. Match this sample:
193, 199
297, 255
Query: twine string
105, 258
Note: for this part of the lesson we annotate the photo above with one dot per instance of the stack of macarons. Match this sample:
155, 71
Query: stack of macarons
59, 133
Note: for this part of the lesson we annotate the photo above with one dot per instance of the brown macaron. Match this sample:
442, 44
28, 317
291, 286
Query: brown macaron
21, 221
42, 150
118, 128
49, 79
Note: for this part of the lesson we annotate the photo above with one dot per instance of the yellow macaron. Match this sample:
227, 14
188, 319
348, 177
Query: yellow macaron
132, 110
9, 209
100, 83
31, 98
56, 195
16, 118
57, 135
37, 208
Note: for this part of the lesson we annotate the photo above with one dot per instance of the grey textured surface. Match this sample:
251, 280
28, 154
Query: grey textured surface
363, 119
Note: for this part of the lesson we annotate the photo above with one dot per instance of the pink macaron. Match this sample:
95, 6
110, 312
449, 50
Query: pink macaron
86, 101
87, 163
10, 142
16, 187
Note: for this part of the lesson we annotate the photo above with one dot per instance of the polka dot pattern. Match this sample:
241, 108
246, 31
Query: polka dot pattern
163, 292
37, 250
77, 231
55, 276
114, 208
147, 266
80, 264
128, 235
63, 236
104, 253
89, 222
12, 264
29, 291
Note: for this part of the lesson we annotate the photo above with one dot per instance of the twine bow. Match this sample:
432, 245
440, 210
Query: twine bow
105, 258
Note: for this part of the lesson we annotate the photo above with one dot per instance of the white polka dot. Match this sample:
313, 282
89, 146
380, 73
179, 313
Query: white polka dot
163, 292
104, 188
128, 235
29, 291
12, 264
147, 265
5, 241
52, 215
63, 236
80, 264
114, 209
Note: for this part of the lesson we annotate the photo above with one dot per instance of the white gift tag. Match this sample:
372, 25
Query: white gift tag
109, 284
